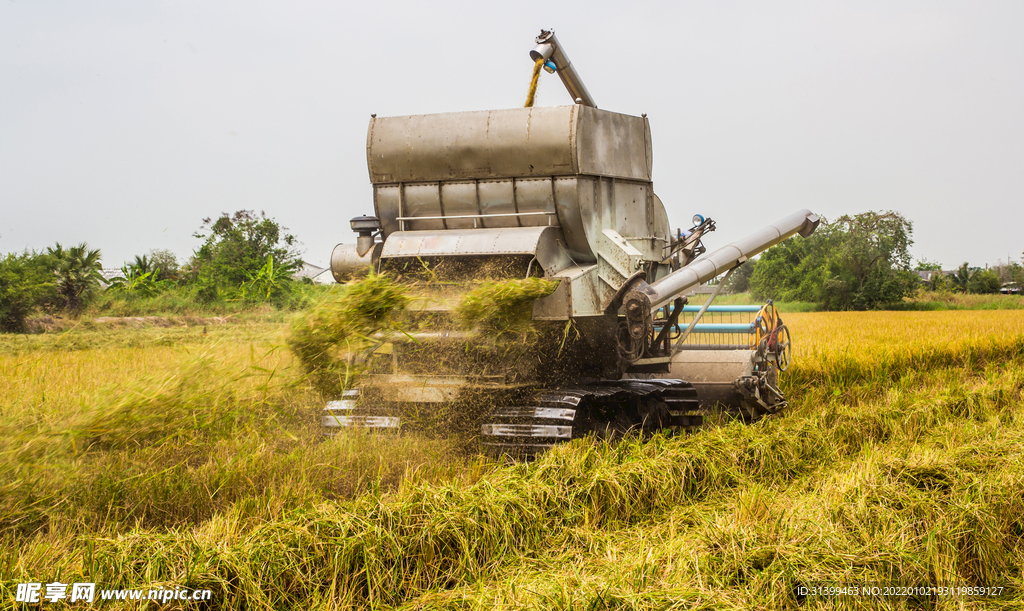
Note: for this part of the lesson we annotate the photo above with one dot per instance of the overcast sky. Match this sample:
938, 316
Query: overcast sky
124, 124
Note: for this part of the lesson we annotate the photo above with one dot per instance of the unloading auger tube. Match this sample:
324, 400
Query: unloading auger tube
652, 297
564, 193
557, 61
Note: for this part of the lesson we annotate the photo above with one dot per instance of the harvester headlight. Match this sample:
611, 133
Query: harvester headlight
698, 220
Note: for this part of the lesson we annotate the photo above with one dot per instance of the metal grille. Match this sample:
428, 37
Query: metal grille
724, 327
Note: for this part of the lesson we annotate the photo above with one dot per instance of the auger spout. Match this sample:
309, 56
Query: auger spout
548, 48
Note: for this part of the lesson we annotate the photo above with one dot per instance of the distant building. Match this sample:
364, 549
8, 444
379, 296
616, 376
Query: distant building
109, 273
1011, 288
926, 276
319, 275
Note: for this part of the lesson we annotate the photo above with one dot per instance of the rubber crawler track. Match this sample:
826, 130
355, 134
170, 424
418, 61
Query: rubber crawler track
609, 408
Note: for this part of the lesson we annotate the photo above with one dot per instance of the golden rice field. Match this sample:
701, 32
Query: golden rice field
189, 457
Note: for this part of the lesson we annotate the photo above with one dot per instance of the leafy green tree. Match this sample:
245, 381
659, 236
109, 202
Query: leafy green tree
1016, 272
793, 270
938, 282
961, 278
26, 282
924, 265
166, 264
857, 262
77, 271
739, 281
984, 281
206, 289
968, 279
238, 246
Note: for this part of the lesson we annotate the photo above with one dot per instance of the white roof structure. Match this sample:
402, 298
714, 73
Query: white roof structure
109, 273
319, 275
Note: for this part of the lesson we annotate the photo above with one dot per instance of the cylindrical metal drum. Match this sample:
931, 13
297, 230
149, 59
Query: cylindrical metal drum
346, 264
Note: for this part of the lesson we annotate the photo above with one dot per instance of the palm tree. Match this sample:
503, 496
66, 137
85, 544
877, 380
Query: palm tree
78, 273
961, 278
141, 265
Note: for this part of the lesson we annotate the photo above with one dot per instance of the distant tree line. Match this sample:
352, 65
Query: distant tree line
858, 262
244, 257
967, 279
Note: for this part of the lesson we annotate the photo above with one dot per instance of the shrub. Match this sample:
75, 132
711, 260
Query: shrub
25, 283
237, 247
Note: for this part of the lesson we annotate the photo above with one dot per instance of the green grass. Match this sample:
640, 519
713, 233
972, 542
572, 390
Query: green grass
747, 299
182, 301
199, 465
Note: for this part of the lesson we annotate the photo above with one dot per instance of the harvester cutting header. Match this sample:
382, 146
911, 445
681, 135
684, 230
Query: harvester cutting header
565, 194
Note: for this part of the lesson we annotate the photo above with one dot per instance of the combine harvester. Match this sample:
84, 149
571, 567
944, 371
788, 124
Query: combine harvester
563, 193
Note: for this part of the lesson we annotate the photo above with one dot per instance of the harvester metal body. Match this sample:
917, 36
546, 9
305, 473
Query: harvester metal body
564, 193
